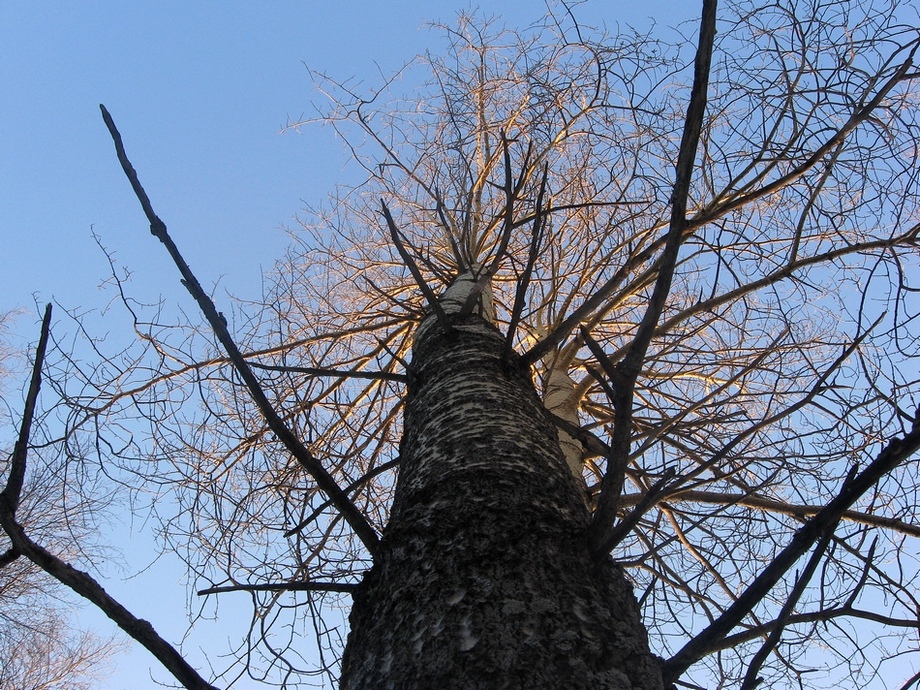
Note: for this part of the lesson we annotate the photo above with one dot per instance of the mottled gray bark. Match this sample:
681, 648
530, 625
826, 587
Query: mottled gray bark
483, 578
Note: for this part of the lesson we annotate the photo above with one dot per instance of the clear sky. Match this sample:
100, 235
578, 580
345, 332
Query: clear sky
200, 91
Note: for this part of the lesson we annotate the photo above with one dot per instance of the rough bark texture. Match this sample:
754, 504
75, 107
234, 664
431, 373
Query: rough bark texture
483, 578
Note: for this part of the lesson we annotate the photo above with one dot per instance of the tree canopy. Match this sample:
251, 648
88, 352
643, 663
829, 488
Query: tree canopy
725, 333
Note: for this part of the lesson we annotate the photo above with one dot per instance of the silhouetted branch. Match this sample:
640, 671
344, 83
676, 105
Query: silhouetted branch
861, 115
8, 556
773, 506
520, 290
751, 678
80, 582
11, 493
632, 362
894, 453
345, 587
823, 615
218, 323
84, 585
625, 526
360, 481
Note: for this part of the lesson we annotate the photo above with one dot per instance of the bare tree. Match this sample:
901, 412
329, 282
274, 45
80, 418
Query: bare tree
635, 314
44, 652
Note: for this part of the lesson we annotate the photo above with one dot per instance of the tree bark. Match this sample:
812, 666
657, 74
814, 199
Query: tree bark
483, 578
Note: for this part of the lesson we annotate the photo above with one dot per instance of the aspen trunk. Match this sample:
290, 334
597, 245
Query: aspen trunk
483, 579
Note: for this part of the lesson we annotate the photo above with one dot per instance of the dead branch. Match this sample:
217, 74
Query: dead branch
344, 587
324, 480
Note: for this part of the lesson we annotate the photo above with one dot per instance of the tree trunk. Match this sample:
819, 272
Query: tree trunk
483, 578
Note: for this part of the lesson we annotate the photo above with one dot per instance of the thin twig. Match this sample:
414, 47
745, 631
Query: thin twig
769, 505
84, 585
823, 615
80, 582
863, 114
890, 457
360, 481
751, 678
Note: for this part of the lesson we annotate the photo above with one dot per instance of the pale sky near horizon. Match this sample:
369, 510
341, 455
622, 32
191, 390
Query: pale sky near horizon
200, 91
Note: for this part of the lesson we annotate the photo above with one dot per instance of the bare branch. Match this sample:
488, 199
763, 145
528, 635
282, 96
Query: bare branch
11, 492
814, 617
78, 581
861, 115
84, 585
324, 480
360, 481
345, 587
520, 290
484, 276
752, 500
751, 679
413, 269
319, 371
632, 363
890, 457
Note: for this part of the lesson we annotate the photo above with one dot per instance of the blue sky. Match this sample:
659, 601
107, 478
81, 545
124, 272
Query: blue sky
200, 92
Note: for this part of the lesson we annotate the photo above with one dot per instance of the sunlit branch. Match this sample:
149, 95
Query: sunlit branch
324, 480
484, 276
588, 307
219, 361
710, 214
807, 399
449, 232
319, 371
752, 500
